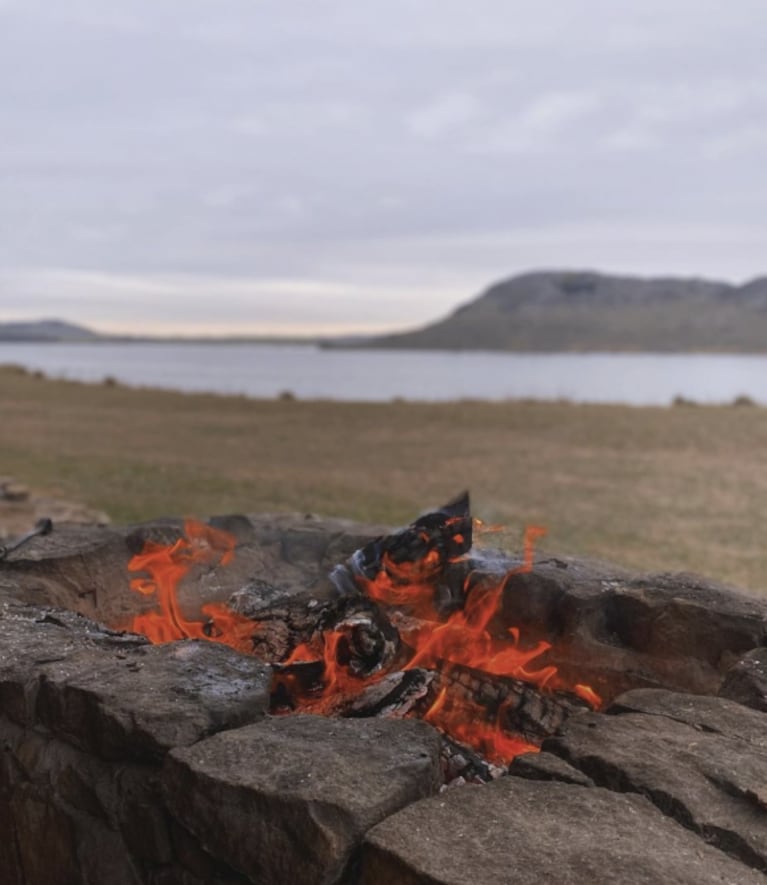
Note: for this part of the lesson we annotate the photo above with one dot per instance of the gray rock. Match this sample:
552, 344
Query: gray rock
547, 767
79, 567
707, 773
116, 695
616, 631
158, 697
69, 817
32, 639
710, 714
289, 799
85, 568
531, 832
746, 680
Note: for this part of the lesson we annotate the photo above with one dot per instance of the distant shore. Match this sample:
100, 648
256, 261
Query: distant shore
370, 375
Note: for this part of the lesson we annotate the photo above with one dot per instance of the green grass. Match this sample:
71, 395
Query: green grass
654, 488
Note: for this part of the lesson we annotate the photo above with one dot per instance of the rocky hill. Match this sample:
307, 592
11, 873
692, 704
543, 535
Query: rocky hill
587, 311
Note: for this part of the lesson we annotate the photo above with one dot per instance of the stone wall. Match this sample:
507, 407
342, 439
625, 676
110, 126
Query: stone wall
129, 763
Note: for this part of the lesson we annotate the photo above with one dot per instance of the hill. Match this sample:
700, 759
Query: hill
588, 311
46, 330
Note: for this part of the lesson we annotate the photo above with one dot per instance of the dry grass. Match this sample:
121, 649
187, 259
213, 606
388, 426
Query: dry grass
657, 488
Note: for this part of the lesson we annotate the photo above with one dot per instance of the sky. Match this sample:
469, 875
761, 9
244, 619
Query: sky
336, 166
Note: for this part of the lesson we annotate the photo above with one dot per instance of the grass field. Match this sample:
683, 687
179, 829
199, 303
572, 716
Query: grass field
655, 488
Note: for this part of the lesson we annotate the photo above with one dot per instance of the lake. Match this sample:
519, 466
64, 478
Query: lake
309, 372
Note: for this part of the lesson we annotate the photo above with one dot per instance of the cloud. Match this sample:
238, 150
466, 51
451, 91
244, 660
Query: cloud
538, 125
748, 139
444, 115
365, 291
195, 304
389, 146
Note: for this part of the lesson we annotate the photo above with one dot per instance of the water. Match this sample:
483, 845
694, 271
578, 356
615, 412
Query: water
259, 370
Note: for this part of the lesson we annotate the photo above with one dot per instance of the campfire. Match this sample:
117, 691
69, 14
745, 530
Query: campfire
413, 630
282, 699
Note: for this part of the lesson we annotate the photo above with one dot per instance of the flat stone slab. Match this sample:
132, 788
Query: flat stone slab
707, 771
290, 798
529, 832
116, 695
710, 714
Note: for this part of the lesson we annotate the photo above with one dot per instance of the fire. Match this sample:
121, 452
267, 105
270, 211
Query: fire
411, 582
587, 693
405, 585
465, 724
465, 638
165, 566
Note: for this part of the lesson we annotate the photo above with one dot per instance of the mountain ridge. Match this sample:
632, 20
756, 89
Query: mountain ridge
46, 330
545, 311
584, 310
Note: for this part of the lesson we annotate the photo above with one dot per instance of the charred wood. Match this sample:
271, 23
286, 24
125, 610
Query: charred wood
517, 707
282, 620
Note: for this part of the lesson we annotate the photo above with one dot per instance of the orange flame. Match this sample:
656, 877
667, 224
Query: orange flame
407, 584
337, 679
464, 722
166, 566
466, 638
587, 693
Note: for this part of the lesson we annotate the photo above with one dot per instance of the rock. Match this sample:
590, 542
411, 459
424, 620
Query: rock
10, 490
706, 770
85, 568
547, 767
70, 817
709, 714
609, 628
117, 696
33, 638
615, 631
155, 698
20, 508
289, 799
746, 680
530, 832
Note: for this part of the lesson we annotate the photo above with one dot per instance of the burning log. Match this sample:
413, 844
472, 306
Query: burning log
440, 696
284, 621
395, 696
288, 627
517, 708
412, 567
461, 765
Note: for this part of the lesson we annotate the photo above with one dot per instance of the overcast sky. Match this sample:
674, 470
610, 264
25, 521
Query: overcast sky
323, 165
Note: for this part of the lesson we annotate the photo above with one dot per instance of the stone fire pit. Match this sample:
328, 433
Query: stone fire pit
127, 762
